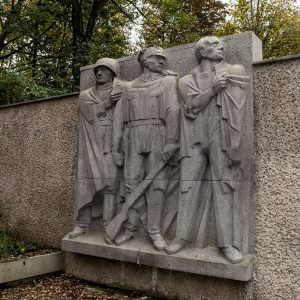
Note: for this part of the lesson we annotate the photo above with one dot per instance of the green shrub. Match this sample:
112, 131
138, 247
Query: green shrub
10, 246
16, 87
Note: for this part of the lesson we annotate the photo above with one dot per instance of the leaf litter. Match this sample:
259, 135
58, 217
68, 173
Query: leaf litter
61, 286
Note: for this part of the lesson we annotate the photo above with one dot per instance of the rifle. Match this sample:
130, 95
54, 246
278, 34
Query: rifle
114, 227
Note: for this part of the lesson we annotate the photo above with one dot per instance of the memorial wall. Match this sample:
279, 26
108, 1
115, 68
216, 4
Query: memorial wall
39, 181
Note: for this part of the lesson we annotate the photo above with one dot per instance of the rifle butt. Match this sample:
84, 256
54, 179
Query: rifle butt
115, 226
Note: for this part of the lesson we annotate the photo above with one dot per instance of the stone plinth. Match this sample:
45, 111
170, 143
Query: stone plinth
207, 261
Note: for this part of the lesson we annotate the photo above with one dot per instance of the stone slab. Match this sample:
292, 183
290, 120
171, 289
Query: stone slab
207, 261
244, 48
31, 266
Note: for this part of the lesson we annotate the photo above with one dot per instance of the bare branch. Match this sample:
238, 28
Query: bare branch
123, 11
137, 9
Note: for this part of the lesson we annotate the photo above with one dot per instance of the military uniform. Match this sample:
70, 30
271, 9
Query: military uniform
97, 174
147, 118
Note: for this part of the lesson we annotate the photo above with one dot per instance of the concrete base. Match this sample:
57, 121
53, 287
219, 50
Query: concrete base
160, 282
31, 266
208, 261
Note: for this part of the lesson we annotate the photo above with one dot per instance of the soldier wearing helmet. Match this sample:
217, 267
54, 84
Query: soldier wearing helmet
96, 172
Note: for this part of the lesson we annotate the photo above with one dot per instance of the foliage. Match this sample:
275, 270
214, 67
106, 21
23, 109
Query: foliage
10, 246
16, 87
44, 43
275, 22
172, 22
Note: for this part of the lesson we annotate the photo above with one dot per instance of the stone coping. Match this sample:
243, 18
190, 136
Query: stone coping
58, 97
27, 267
207, 261
277, 59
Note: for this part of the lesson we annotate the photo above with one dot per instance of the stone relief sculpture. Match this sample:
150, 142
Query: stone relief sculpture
146, 133
97, 175
133, 130
213, 106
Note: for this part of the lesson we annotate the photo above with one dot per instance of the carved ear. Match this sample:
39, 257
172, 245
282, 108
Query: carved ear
203, 52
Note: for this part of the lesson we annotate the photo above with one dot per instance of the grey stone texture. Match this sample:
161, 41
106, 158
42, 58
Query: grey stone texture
96, 170
277, 212
37, 169
277, 165
166, 283
207, 261
44, 203
241, 49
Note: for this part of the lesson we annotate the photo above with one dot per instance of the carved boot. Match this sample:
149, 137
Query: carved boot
109, 211
124, 237
232, 254
176, 246
158, 242
77, 231
107, 240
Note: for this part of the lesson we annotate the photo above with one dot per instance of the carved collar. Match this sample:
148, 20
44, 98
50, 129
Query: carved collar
150, 76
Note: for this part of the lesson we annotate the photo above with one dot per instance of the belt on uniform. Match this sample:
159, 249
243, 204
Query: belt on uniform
145, 122
105, 122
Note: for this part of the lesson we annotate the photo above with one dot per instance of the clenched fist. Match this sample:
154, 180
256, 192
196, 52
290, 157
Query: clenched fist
169, 151
219, 82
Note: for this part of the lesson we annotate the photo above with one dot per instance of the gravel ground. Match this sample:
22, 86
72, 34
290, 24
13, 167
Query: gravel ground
60, 286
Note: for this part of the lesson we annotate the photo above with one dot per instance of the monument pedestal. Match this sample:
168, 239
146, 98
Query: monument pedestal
208, 261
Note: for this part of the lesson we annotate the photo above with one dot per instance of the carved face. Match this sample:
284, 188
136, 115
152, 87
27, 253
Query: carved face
104, 75
155, 63
213, 49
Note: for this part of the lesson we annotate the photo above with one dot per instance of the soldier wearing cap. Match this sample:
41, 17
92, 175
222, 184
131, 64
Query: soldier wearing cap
146, 131
96, 172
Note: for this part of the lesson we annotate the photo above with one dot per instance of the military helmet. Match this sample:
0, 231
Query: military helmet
110, 63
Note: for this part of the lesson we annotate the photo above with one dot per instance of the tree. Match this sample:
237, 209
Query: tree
97, 23
172, 22
44, 43
31, 43
275, 22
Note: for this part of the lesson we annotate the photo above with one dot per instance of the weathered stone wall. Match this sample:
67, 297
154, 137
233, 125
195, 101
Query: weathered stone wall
37, 168
37, 176
277, 173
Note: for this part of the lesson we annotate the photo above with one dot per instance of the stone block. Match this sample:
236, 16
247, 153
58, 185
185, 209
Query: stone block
207, 261
31, 266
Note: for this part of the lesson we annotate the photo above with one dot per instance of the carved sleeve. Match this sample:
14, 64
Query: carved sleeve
192, 98
118, 128
172, 110
86, 108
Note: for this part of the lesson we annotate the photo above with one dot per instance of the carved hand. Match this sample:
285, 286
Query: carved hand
115, 96
118, 159
169, 151
234, 158
219, 82
128, 188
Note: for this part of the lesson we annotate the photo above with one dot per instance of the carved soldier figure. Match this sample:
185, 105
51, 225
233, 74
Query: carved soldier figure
96, 171
146, 122
213, 104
